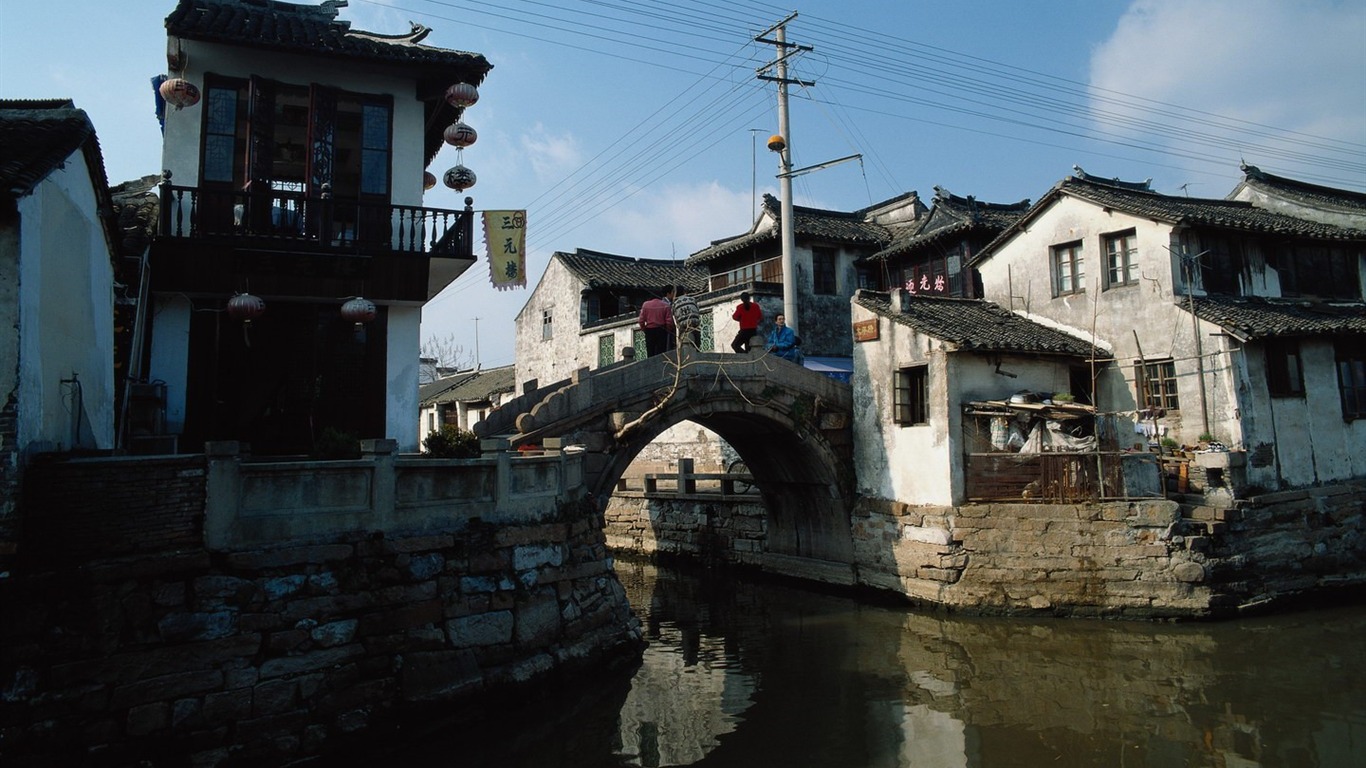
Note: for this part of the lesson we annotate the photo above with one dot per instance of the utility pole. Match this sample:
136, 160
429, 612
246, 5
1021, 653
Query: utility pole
789, 238
476, 343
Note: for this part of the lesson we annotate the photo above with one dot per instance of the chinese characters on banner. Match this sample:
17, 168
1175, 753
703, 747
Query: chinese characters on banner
505, 239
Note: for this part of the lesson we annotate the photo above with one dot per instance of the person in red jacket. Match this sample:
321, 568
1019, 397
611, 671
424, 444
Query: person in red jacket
749, 315
657, 321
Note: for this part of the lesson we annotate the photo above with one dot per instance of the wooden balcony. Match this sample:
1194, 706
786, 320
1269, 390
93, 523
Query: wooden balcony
288, 242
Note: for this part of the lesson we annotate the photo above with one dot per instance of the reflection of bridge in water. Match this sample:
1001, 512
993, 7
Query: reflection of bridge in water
791, 426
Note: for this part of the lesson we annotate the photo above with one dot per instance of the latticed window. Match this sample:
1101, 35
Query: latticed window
823, 271
638, 342
1156, 383
708, 337
1121, 258
910, 399
1068, 270
606, 350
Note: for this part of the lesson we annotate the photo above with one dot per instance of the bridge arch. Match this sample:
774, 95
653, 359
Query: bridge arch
790, 425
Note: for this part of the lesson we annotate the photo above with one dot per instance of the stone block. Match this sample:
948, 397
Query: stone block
227, 706
274, 697
334, 633
481, 629
537, 620
146, 719
166, 687
439, 675
313, 661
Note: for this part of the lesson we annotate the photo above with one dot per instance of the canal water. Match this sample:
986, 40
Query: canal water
744, 674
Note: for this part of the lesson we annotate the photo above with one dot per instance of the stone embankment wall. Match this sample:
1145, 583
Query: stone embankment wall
699, 528
176, 655
1142, 559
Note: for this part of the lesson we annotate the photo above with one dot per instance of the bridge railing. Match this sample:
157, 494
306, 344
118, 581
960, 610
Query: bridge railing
250, 504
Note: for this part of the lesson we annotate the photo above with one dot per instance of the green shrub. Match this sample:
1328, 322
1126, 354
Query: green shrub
336, 443
452, 442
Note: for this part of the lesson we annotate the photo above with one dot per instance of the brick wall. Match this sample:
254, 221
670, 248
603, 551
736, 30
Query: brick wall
82, 508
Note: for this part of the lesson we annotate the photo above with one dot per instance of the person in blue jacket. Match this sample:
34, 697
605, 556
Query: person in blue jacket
783, 342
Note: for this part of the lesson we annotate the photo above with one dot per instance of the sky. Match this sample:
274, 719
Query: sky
638, 127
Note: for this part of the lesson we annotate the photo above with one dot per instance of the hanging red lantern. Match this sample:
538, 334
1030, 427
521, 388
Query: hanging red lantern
428, 180
462, 95
359, 311
459, 178
245, 307
460, 135
179, 93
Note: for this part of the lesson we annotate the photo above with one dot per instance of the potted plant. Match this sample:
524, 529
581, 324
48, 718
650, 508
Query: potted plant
1169, 446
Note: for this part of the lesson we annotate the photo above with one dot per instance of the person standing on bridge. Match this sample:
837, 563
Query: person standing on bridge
687, 318
748, 314
657, 322
784, 342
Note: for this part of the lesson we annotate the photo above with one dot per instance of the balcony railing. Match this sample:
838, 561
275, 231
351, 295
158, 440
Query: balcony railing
767, 271
281, 214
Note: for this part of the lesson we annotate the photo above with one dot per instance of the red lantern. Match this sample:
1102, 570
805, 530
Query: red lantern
179, 93
462, 95
359, 311
459, 135
245, 307
428, 180
459, 178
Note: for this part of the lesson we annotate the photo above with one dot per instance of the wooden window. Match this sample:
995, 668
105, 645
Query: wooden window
823, 271
1284, 375
910, 402
1156, 384
1351, 362
222, 145
1068, 270
1121, 259
547, 325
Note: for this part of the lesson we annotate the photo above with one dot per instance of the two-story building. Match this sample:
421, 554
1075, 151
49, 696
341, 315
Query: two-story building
583, 311
1234, 321
294, 254
829, 246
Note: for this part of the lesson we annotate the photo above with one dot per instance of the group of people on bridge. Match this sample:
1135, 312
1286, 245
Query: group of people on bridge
674, 318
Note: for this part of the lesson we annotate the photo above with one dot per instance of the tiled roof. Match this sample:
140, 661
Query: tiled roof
605, 270
310, 29
315, 30
1187, 211
952, 217
37, 136
427, 393
1311, 194
811, 223
1250, 318
976, 325
474, 387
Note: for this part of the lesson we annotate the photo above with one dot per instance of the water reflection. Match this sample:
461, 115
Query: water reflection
746, 675
743, 675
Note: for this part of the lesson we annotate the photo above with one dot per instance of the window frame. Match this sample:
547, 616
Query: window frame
547, 324
1128, 258
1351, 370
1077, 268
910, 396
1163, 372
1284, 368
824, 277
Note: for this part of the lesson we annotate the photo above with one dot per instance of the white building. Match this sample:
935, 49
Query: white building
295, 254
1227, 320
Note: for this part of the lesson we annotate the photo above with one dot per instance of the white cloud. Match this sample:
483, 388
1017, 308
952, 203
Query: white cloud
1296, 66
551, 156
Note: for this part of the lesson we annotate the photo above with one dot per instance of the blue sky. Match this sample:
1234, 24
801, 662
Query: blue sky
637, 127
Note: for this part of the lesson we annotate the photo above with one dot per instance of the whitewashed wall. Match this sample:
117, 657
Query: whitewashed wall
65, 315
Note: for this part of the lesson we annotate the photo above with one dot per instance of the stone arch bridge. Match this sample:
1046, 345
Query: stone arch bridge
790, 425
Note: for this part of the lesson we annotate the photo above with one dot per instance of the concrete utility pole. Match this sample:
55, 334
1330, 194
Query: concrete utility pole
784, 51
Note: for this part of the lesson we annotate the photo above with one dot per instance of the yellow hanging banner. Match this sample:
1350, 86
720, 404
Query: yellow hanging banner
505, 239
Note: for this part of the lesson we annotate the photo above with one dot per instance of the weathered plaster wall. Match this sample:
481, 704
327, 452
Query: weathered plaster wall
66, 311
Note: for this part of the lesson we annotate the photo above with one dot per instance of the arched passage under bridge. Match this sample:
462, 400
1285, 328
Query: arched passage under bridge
791, 426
